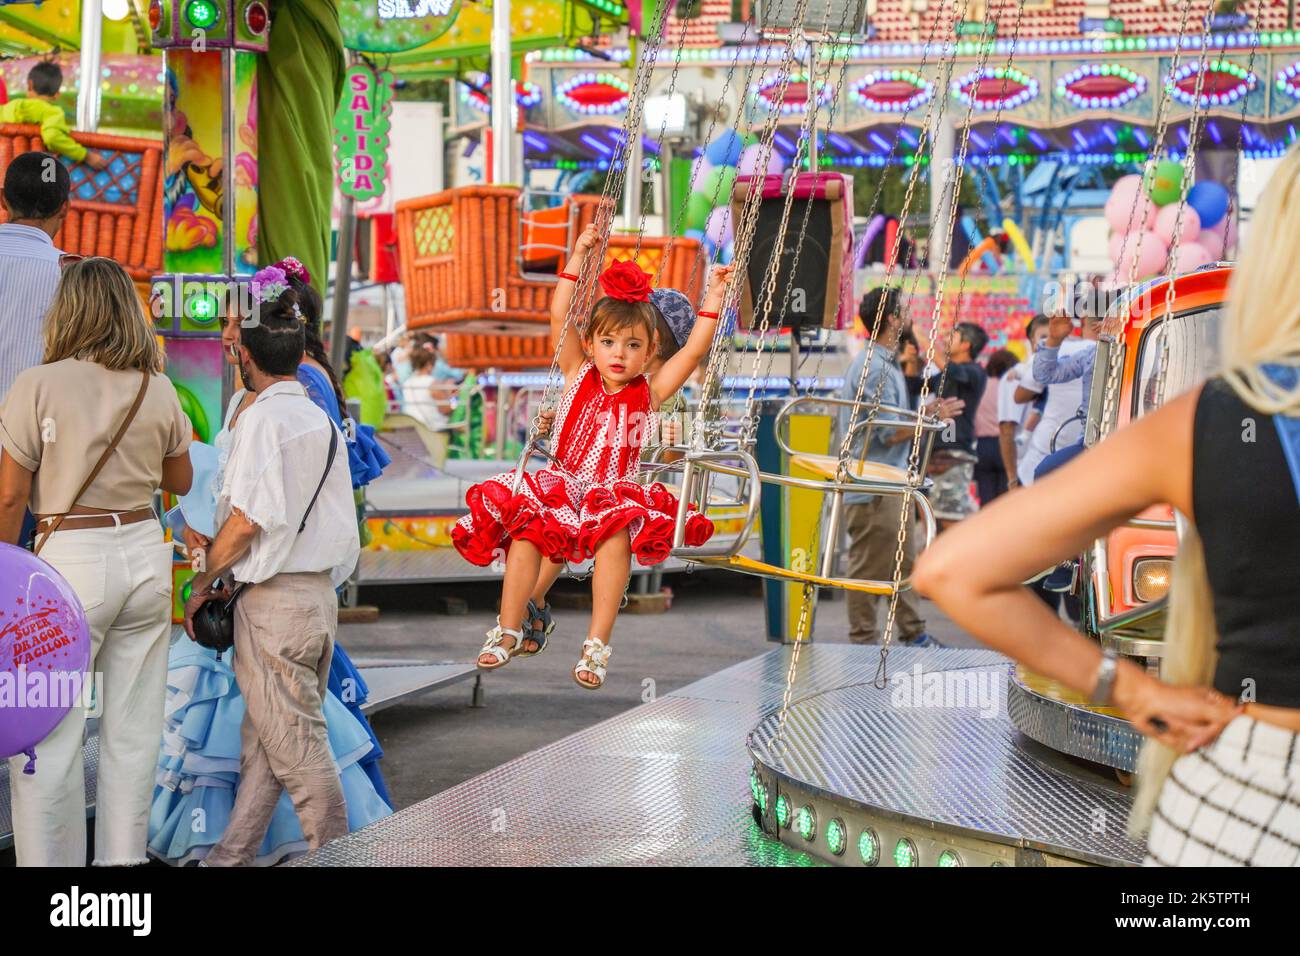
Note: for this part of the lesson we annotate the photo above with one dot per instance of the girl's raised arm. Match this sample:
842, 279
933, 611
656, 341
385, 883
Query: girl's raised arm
674, 372
571, 357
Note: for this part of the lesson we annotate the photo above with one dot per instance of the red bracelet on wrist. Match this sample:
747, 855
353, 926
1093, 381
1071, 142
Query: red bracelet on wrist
707, 315
569, 275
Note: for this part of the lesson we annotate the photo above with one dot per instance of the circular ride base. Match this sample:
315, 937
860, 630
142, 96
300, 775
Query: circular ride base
931, 770
1061, 719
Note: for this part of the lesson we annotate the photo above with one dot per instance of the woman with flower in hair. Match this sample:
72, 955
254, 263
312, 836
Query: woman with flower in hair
198, 767
587, 502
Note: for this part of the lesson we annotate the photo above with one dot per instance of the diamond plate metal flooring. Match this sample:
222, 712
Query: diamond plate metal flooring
666, 783
956, 766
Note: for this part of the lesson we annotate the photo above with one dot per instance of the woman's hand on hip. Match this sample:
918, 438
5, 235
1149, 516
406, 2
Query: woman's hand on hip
1184, 718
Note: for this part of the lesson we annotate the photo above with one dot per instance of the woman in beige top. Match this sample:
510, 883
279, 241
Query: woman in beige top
55, 423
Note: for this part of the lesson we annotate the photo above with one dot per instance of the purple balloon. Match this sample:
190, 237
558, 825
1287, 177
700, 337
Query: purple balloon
699, 172
44, 651
718, 227
748, 165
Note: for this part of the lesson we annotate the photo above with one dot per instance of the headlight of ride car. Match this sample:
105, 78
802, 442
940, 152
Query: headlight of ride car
1151, 578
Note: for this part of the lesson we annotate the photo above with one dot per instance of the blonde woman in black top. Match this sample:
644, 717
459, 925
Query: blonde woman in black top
1220, 778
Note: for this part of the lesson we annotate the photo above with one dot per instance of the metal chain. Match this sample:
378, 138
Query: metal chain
988, 153
944, 70
604, 217
808, 130
1110, 394
914, 456
663, 131
1241, 127
1189, 170
878, 195
943, 76
708, 138
745, 228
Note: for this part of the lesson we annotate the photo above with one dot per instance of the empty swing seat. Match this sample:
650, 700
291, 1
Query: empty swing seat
825, 467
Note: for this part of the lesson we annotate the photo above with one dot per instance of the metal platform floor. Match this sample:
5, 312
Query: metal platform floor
666, 783
961, 768
390, 683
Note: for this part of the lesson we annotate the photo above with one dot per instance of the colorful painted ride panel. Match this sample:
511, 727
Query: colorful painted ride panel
197, 181
244, 147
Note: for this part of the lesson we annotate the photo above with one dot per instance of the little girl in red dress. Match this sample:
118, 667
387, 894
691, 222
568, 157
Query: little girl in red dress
588, 502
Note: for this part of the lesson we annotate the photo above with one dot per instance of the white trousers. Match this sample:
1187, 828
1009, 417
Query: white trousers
123, 577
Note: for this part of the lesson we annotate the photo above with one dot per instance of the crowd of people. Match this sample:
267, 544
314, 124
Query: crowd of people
268, 739
1007, 421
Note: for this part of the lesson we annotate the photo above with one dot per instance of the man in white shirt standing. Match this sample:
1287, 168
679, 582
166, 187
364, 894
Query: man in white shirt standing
1064, 399
1015, 427
35, 198
287, 614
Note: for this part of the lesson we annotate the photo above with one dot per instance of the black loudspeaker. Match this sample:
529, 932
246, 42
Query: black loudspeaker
820, 281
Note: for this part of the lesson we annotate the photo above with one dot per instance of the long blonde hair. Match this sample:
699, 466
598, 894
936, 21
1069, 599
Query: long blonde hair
1261, 324
97, 316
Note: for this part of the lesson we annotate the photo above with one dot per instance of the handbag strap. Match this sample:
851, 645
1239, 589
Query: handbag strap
329, 463
103, 460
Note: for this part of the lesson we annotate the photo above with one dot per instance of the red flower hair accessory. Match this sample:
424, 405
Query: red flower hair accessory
626, 280
292, 267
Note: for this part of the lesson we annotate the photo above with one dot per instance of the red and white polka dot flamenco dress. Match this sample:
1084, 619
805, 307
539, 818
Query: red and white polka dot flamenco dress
566, 515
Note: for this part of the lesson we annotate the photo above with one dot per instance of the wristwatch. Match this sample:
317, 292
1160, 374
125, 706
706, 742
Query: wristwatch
1105, 684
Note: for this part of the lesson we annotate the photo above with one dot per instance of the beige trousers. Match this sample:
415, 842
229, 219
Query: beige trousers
873, 543
284, 638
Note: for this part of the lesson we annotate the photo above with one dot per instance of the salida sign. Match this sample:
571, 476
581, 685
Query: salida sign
361, 128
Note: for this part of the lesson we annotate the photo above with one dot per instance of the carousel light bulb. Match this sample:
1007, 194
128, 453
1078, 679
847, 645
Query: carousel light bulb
201, 13
117, 10
869, 847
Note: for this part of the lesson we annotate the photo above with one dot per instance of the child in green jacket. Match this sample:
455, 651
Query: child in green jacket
41, 107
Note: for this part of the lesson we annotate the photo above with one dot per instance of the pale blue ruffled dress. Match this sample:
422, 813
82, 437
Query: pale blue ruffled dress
198, 765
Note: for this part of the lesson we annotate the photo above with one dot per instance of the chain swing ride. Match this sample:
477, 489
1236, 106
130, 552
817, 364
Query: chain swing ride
835, 764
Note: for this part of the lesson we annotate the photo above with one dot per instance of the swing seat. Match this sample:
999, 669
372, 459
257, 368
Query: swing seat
746, 565
697, 467
825, 467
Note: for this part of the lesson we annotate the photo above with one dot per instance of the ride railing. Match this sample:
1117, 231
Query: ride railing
699, 467
116, 212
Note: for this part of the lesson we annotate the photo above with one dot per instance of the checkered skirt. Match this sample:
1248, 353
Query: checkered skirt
1235, 802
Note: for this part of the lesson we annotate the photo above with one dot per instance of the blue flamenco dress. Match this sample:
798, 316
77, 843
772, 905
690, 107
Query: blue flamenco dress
198, 765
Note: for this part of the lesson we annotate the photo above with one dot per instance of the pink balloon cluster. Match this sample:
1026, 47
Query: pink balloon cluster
1142, 234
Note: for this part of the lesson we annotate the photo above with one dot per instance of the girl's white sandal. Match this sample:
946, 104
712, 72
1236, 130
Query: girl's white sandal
492, 646
595, 656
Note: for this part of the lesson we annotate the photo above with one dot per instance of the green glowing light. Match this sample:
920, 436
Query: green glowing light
949, 858
201, 13
783, 811
202, 307
805, 822
869, 847
836, 837
905, 853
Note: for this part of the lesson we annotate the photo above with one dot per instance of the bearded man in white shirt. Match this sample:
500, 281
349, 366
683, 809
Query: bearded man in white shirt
287, 613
